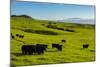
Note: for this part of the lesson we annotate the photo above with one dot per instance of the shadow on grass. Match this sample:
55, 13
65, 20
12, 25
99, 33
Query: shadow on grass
45, 32
51, 50
92, 50
83, 48
41, 58
18, 54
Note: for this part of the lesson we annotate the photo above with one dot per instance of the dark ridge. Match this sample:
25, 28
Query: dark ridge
25, 16
44, 32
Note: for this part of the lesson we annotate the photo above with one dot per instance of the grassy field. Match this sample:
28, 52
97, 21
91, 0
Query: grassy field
36, 31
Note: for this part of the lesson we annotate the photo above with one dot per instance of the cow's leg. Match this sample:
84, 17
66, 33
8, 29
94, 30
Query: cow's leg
30, 53
60, 49
42, 51
26, 51
23, 52
39, 52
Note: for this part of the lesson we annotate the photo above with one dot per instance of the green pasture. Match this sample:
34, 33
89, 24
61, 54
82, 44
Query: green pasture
36, 31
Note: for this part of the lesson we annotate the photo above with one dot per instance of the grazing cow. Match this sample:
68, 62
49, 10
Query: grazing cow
17, 35
28, 49
63, 41
42, 47
59, 47
55, 45
12, 36
39, 49
85, 45
21, 36
45, 47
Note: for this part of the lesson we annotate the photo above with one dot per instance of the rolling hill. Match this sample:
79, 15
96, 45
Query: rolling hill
48, 32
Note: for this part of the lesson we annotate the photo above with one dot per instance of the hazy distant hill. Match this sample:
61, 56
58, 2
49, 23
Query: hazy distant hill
79, 20
71, 20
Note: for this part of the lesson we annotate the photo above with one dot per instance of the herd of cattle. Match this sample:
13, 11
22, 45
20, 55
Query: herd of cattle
18, 35
40, 48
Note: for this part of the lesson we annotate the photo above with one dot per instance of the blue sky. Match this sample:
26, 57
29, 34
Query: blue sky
48, 11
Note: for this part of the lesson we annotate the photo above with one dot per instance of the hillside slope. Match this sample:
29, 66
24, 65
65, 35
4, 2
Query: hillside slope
48, 32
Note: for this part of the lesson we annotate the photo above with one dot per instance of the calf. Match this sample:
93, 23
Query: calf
85, 45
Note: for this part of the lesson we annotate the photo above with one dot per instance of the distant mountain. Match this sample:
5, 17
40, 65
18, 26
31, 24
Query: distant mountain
79, 20
25, 16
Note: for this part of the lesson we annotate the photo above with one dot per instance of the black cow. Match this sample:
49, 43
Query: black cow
39, 49
63, 41
12, 36
85, 45
17, 35
57, 46
43, 46
28, 49
21, 36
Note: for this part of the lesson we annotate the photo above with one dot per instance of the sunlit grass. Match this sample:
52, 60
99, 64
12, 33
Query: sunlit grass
72, 49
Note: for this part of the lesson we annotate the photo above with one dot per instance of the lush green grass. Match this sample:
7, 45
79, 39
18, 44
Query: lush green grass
72, 49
